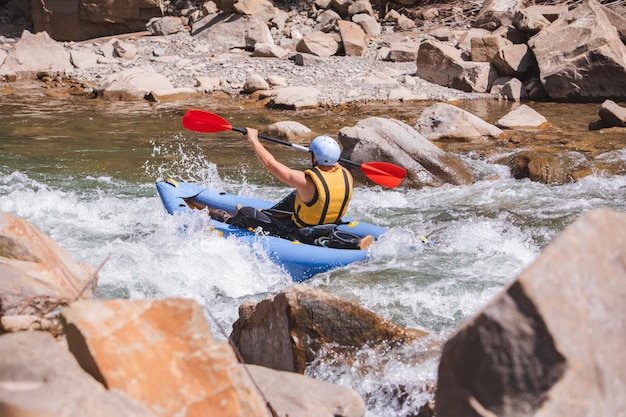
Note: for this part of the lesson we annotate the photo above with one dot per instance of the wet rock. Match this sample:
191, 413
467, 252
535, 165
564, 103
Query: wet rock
382, 139
544, 167
287, 331
612, 114
162, 354
172, 94
40, 378
522, 117
551, 336
442, 120
255, 82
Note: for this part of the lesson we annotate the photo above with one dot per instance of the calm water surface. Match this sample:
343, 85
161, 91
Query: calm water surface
83, 172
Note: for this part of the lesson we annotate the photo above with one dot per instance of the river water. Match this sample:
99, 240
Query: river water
83, 172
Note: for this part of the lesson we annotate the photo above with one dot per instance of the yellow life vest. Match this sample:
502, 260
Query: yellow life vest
330, 203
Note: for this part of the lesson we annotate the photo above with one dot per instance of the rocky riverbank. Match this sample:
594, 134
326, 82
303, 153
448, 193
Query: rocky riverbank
160, 353
159, 357
331, 54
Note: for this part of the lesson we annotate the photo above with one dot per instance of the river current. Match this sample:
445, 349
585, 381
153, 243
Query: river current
83, 172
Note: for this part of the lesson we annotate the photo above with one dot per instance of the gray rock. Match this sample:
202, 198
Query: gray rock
34, 53
390, 140
442, 120
552, 343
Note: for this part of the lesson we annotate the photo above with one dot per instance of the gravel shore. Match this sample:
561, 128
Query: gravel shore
340, 79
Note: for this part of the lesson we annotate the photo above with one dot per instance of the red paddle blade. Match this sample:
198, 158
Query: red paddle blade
384, 173
204, 121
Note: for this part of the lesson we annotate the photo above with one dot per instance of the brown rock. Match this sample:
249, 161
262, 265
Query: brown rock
285, 332
318, 43
544, 167
353, 38
514, 60
162, 354
484, 48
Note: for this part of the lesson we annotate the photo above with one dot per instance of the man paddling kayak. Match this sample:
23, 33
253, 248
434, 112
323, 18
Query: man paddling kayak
312, 211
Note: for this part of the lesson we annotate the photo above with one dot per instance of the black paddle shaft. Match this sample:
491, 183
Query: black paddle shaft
293, 145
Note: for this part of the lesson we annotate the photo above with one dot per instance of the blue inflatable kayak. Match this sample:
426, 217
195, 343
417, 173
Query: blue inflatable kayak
301, 261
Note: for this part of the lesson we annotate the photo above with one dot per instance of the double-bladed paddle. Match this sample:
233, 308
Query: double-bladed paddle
382, 173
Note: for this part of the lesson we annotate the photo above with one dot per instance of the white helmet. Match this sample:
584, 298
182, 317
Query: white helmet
326, 150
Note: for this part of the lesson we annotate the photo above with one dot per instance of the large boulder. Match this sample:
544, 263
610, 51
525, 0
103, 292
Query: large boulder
522, 117
35, 53
353, 38
76, 20
446, 121
318, 43
382, 139
36, 275
443, 64
133, 84
162, 354
228, 31
552, 343
287, 331
581, 56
